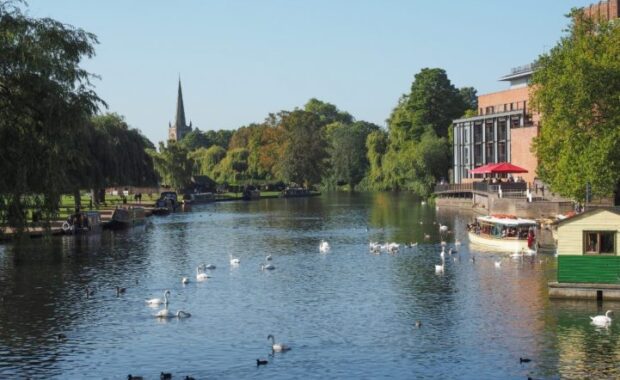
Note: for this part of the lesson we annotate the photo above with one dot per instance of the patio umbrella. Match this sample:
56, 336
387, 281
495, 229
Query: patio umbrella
484, 169
507, 167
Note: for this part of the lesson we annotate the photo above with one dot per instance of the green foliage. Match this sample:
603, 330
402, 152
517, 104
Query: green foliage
197, 139
327, 112
304, 156
233, 168
469, 95
577, 91
173, 165
206, 160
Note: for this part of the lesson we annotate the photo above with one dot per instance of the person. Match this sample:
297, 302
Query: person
530, 238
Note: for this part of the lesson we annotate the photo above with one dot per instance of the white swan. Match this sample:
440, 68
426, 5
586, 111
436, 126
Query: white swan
440, 268
324, 246
393, 247
442, 254
166, 314
277, 347
498, 264
200, 275
602, 320
443, 228
267, 267
234, 260
185, 280
159, 301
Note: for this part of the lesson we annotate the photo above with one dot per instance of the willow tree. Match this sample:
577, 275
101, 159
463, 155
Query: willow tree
576, 88
46, 99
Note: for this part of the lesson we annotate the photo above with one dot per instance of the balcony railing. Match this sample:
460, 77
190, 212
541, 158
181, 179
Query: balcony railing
512, 188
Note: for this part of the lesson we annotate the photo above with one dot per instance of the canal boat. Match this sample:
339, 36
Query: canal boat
127, 217
82, 222
168, 202
504, 232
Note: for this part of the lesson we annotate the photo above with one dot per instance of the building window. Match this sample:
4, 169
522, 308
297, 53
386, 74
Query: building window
501, 129
488, 131
490, 153
599, 242
478, 155
477, 132
501, 151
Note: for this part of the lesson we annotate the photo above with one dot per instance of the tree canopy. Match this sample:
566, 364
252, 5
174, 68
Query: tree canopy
577, 91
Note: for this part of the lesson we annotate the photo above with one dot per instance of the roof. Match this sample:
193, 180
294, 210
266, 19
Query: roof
506, 221
590, 212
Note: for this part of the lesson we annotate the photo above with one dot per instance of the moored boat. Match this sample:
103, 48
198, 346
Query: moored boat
127, 217
504, 232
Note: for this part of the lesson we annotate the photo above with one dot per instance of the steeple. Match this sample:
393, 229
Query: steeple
179, 129
180, 119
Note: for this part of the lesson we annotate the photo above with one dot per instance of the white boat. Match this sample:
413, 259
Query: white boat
504, 232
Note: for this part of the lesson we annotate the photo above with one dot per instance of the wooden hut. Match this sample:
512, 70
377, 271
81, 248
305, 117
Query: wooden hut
588, 256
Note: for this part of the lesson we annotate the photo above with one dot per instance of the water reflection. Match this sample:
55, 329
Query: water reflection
347, 313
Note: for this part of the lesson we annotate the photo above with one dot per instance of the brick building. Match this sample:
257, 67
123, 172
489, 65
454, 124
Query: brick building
603, 10
502, 131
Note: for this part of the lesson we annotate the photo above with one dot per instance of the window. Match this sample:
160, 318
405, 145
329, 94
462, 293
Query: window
488, 131
501, 151
501, 129
599, 242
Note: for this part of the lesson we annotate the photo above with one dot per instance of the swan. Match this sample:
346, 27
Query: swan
234, 260
267, 267
427, 236
443, 228
200, 275
393, 247
324, 246
498, 264
277, 347
374, 247
440, 268
159, 301
185, 280
442, 254
166, 314
602, 320
268, 258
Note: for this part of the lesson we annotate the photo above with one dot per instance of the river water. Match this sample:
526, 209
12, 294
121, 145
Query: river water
346, 314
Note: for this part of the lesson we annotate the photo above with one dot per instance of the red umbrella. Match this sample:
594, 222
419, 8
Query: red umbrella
507, 167
484, 169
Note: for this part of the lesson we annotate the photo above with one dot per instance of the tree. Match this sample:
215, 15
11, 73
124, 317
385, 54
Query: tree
304, 156
470, 98
46, 100
347, 151
327, 112
173, 165
576, 89
206, 160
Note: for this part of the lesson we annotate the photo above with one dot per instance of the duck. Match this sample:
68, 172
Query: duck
159, 301
324, 246
166, 314
277, 347
524, 360
209, 266
130, 377
268, 258
418, 324
185, 280
234, 260
200, 274
165, 376
427, 236
120, 291
89, 292
188, 378
602, 320
261, 362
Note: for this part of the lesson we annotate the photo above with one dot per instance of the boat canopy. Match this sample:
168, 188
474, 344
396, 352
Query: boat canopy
507, 221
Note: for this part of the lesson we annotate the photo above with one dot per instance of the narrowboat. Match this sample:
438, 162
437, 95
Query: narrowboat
127, 217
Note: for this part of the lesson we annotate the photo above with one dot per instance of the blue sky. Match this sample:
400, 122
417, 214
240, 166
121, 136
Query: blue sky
242, 59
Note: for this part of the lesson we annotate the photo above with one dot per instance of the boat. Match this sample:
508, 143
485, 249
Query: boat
82, 222
250, 193
127, 217
504, 232
296, 192
199, 198
168, 202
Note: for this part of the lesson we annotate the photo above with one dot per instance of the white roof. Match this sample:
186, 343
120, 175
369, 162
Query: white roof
506, 221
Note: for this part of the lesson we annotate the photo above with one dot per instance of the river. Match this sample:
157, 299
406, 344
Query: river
346, 313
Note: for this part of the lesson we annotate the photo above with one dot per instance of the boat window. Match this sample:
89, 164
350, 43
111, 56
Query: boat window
599, 242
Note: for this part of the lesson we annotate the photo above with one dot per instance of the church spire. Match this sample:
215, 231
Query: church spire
180, 119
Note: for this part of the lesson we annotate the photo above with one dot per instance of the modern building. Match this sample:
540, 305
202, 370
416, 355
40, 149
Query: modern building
179, 129
502, 131
588, 256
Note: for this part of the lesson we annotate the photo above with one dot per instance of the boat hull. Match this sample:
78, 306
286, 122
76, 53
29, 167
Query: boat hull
504, 245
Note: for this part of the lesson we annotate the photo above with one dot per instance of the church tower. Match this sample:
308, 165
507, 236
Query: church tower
179, 129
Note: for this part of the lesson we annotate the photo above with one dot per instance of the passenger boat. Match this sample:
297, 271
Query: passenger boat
504, 232
127, 217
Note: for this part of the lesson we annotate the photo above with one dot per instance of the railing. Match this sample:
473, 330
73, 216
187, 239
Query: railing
508, 188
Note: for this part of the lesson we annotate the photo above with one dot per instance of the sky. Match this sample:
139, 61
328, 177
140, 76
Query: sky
240, 60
